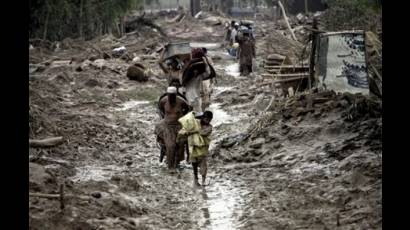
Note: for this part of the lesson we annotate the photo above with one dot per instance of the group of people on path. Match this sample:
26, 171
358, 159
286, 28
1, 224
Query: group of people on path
240, 43
184, 130
185, 127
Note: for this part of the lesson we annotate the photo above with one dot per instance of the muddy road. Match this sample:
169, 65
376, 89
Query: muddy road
318, 170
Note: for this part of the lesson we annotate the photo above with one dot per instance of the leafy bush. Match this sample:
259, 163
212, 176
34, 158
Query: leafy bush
58, 19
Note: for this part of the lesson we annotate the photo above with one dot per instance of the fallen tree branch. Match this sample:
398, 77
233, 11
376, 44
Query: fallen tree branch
48, 142
57, 196
44, 195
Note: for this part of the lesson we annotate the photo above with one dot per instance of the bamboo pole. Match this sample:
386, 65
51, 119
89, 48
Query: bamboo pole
286, 20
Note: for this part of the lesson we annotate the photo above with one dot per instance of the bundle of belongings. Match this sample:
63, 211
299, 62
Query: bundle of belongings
196, 66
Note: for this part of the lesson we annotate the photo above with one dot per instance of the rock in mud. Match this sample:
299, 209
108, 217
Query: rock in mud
121, 207
84, 65
92, 83
272, 138
118, 52
93, 57
100, 63
116, 178
78, 68
136, 60
113, 85
277, 146
137, 73
256, 144
231, 141
96, 195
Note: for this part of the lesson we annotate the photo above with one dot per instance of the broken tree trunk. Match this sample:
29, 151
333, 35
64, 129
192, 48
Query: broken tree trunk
48, 142
313, 52
286, 20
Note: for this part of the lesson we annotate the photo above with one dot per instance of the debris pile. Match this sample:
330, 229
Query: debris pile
312, 150
361, 115
275, 42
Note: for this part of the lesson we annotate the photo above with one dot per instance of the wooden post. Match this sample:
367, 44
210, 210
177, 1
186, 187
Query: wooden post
62, 196
306, 7
313, 52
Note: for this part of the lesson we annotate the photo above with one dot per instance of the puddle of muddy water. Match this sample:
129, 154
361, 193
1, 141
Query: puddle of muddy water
233, 70
95, 173
220, 116
218, 54
222, 206
131, 104
209, 46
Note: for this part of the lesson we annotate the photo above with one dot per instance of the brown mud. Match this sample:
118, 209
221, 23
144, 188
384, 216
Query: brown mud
275, 163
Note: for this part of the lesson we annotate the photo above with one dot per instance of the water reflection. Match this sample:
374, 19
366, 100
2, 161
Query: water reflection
222, 206
221, 116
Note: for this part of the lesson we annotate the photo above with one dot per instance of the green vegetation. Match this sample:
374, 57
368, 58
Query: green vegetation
357, 14
57, 19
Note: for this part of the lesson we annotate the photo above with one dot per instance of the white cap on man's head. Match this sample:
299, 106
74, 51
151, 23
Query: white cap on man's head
171, 89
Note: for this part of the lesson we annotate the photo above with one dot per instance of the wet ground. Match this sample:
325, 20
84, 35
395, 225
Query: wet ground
287, 175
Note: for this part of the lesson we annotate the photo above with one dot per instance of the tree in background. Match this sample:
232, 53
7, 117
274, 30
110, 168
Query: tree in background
57, 19
353, 14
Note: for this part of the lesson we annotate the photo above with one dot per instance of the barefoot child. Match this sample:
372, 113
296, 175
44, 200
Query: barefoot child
197, 130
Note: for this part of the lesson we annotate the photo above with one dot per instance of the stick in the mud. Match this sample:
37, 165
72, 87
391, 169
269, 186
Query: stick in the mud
62, 196
313, 53
42, 195
337, 220
48, 142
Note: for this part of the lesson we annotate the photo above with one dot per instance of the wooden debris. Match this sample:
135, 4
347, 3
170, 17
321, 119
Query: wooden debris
61, 196
292, 79
48, 142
